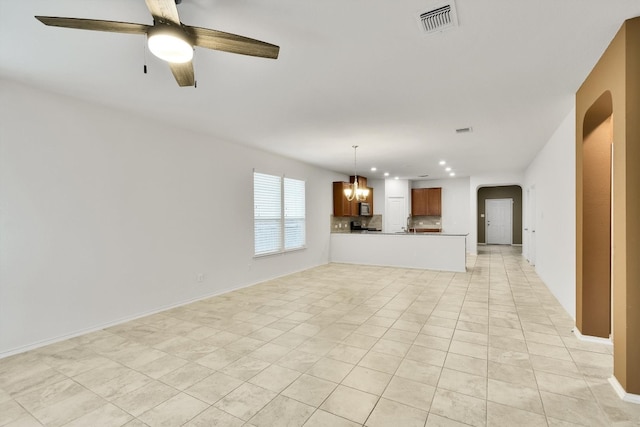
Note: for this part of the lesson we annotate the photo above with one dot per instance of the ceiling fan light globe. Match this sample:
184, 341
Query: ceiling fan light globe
170, 48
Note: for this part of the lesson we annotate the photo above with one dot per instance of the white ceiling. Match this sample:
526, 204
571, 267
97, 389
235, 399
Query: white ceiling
349, 72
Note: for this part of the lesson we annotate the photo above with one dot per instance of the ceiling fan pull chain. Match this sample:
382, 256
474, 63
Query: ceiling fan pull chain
144, 56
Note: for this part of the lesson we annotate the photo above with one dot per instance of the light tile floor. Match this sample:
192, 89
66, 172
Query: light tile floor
337, 345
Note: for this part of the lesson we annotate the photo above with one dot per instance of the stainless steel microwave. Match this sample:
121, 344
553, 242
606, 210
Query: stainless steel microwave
365, 209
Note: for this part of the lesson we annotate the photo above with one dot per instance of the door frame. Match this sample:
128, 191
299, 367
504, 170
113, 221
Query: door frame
388, 222
486, 222
531, 225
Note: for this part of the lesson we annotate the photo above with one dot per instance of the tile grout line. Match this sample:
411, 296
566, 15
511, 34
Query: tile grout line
544, 412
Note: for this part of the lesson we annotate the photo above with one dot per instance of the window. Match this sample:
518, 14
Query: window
279, 214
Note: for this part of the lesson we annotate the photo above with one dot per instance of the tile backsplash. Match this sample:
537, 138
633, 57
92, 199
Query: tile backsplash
341, 224
373, 221
425, 222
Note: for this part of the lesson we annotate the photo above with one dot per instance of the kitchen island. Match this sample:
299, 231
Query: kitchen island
431, 251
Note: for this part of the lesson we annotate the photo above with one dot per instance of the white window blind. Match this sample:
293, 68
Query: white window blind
267, 214
279, 214
294, 209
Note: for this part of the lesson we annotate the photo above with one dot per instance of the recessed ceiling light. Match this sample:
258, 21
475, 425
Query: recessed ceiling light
452, 174
442, 162
397, 177
386, 174
373, 169
447, 169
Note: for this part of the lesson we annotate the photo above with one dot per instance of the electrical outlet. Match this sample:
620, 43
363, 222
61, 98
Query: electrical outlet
200, 277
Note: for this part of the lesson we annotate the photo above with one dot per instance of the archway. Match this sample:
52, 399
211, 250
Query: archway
593, 314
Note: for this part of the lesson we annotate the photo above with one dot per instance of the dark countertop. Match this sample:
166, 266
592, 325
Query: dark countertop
380, 233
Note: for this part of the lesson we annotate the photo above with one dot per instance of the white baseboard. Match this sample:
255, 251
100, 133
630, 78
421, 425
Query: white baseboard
589, 338
622, 394
620, 391
135, 316
101, 326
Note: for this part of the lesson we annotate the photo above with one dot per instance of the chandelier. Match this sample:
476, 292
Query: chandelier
352, 191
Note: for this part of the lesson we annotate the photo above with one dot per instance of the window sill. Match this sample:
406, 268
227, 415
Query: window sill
279, 252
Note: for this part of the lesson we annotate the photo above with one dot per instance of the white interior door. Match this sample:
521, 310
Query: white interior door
397, 214
499, 217
532, 226
525, 224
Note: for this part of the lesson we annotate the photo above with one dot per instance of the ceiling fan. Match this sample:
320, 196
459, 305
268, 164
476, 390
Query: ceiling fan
171, 40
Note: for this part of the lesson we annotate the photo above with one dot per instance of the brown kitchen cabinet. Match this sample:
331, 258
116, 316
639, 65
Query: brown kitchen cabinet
369, 198
343, 207
426, 202
419, 201
362, 183
434, 202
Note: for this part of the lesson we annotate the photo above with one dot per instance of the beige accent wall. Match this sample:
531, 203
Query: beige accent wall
595, 298
631, 315
501, 192
618, 72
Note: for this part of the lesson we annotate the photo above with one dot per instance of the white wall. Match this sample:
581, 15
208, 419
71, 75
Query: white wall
552, 173
487, 180
455, 203
378, 195
105, 216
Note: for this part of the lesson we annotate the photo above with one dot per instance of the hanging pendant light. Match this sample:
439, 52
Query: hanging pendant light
352, 191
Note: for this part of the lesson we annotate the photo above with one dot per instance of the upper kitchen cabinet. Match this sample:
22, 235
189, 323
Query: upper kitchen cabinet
434, 204
419, 201
343, 207
369, 198
426, 202
362, 181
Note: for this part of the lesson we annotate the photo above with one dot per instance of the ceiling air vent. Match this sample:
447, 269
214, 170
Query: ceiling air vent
439, 19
